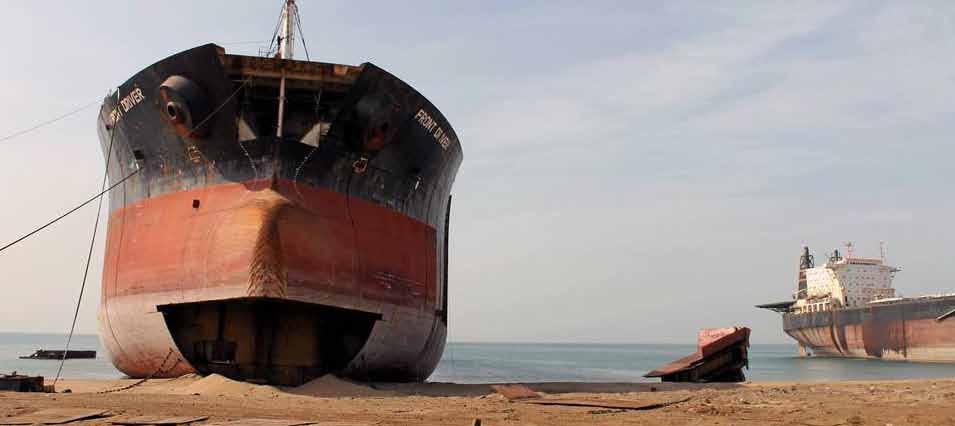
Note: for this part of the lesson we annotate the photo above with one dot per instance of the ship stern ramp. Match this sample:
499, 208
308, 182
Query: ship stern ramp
267, 339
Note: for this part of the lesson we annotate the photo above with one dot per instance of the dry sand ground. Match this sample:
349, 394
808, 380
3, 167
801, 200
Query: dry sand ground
332, 400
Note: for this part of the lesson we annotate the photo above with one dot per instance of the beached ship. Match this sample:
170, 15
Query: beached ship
848, 308
275, 219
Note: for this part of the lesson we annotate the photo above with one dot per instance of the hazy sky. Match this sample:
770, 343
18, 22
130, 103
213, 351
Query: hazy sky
632, 171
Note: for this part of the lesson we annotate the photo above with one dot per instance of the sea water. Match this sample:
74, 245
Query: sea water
15, 345
523, 362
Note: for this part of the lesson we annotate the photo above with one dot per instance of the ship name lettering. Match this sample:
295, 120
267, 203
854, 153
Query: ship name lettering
133, 98
431, 125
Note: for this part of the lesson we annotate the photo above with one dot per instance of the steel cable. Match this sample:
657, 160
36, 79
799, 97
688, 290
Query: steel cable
298, 23
14, 242
89, 255
45, 123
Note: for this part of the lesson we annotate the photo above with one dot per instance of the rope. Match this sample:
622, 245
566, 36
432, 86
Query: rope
14, 242
450, 347
44, 123
213, 113
222, 105
298, 23
275, 34
298, 170
89, 255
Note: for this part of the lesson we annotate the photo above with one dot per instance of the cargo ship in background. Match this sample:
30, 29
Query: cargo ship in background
275, 219
848, 308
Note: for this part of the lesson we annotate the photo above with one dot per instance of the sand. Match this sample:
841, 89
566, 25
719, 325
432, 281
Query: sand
221, 386
330, 386
923, 402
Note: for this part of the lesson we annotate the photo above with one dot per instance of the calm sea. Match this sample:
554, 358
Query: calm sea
514, 362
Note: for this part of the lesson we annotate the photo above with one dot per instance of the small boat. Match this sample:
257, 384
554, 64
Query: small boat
720, 356
58, 354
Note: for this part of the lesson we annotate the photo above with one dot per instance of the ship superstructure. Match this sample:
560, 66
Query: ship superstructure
842, 282
849, 307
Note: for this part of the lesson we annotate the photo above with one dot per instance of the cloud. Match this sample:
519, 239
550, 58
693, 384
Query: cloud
632, 172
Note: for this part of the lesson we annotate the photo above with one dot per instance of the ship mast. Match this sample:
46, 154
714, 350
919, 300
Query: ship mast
287, 37
286, 47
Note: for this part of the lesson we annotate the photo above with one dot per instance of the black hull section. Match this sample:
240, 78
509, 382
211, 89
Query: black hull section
375, 123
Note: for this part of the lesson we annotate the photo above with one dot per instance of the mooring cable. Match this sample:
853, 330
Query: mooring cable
47, 122
89, 255
99, 208
29, 234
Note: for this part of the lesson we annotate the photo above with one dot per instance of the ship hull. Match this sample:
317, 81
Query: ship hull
249, 243
275, 256
908, 330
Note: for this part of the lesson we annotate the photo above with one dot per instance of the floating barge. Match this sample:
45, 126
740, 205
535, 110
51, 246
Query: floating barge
720, 356
58, 354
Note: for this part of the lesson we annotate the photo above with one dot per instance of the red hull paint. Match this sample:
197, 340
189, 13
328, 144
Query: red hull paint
720, 355
275, 240
909, 340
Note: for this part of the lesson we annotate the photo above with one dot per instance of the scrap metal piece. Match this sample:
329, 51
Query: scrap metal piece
54, 416
720, 357
21, 383
515, 391
261, 422
619, 404
158, 420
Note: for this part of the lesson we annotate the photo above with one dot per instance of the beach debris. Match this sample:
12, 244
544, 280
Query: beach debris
720, 356
21, 383
279, 422
825, 424
345, 423
521, 393
261, 422
54, 416
476, 422
619, 404
158, 420
515, 391
600, 411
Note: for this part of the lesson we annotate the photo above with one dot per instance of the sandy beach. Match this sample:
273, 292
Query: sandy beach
333, 401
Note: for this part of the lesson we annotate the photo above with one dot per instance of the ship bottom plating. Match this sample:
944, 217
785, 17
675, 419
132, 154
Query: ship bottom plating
271, 280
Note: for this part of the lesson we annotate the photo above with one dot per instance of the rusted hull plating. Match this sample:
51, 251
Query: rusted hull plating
720, 356
905, 331
242, 244
275, 258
